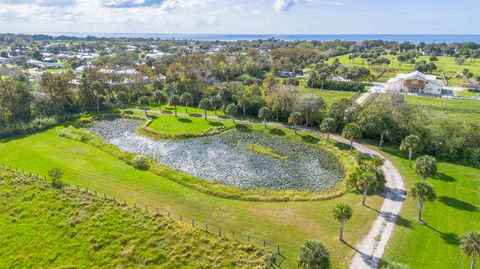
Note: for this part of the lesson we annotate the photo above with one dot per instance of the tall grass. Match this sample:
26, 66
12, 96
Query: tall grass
35, 125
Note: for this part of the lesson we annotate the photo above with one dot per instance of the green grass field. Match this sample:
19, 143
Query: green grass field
184, 125
43, 227
465, 110
455, 212
192, 111
444, 64
286, 223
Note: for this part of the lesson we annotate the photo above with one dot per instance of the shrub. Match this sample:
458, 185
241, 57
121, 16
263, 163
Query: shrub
141, 162
313, 255
143, 100
38, 124
55, 175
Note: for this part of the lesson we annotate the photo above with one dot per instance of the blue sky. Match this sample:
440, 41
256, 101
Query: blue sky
242, 16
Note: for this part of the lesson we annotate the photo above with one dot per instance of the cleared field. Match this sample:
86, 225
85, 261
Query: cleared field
455, 212
43, 227
444, 64
286, 223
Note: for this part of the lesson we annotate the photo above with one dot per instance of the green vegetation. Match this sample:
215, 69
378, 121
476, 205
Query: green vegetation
167, 126
464, 110
445, 64
313, 255
47, 227
264, 151
452, 214
288, 224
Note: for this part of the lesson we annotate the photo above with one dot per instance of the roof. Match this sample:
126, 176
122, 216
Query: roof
417, 75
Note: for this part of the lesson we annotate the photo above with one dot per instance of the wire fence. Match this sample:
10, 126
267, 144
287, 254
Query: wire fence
210, 228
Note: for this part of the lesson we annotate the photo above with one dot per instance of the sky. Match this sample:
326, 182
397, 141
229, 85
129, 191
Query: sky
241, 16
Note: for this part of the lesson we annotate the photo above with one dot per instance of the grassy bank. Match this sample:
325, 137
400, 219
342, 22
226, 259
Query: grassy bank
43, 227
288, 223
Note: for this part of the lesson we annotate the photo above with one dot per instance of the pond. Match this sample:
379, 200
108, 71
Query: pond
223, 158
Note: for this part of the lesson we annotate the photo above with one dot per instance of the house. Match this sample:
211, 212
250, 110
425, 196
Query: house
338, 79
285, 74
415, 82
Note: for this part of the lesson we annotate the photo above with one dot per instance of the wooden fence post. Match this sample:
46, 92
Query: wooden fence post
193, 222
219, 231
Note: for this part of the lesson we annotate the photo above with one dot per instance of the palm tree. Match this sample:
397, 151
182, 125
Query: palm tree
295, 119
367, 180
351, 131
423, 192
328, 126
313, 255
216, 103
410, 143
263, 114
174, 100
342, 213
159, 97
470, 246
232, 111
426, 166
205, 104
242, 103
186, 98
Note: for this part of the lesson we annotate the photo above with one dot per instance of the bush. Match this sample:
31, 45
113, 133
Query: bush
313, 255
140, 162
55, 175
340, 85
38, 124
143, 101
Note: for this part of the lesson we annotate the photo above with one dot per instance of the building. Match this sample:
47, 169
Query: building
415, 82
285, 74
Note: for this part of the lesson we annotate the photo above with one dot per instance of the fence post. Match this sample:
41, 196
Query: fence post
181, 219
124, 202
233, 234
278, 249
248, 238
168, 214
146, 208
264, 243
193, 222
105, 196
219, 231
206, 227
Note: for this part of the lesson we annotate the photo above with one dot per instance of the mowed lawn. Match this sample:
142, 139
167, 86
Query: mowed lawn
455, 212
184, 125
444, 64
466, 110
286, 223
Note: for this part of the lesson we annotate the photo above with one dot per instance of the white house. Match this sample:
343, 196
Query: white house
415, 82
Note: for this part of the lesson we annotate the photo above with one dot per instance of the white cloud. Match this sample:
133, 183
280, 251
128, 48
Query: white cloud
285, 5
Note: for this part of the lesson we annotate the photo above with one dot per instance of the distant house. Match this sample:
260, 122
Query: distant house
285, 74
40, 64
3, 60
415, 82
161, 78
339, 79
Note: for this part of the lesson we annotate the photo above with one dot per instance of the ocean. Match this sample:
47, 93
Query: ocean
413, 38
